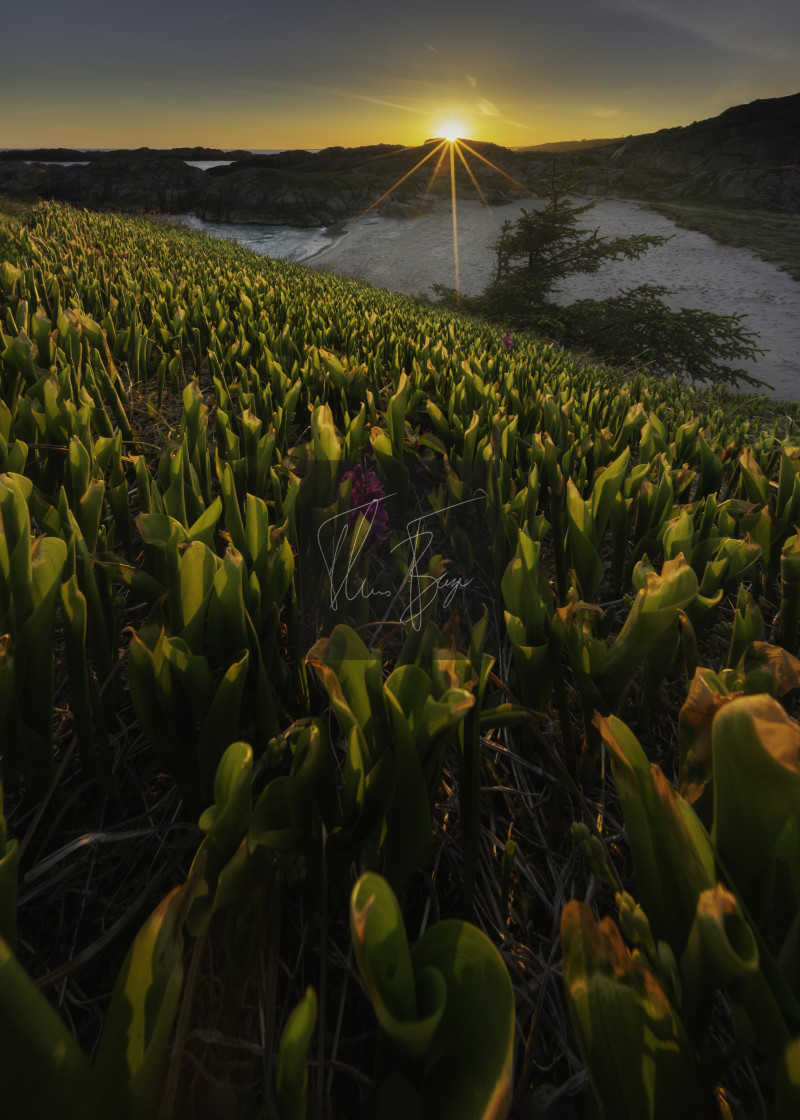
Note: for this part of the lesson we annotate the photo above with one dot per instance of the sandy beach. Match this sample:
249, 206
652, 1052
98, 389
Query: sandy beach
410, 255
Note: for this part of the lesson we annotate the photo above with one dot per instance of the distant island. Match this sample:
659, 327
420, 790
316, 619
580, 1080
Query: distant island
747, 156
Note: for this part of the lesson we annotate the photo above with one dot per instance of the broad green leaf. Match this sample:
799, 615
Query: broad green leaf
787, 1087
670, 869
15, 551
324, 440
367, 795
44, 1072
756, 484
157, 529
634, 1046
384, 961
605, 490
227, 626
756, 784
396, 414
469, 1066
721, 947
291, 1071
583, 542
707, 694
226, 821
790, 592
197, 568
73, 620
772, 668
222, 719
202, 529
421, 730
678, 535
351, 675
446, 1009
133, 1046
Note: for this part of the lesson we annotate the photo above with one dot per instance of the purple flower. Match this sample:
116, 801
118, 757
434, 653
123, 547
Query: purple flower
368, 498
507, 340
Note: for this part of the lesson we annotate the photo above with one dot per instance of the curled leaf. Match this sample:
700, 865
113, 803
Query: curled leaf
638, 1058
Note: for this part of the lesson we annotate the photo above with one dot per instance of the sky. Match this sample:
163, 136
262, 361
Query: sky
309, 74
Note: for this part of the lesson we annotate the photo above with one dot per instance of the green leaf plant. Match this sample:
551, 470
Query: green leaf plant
445, 1009
722, 899
396, 733
30, 577
45, 1072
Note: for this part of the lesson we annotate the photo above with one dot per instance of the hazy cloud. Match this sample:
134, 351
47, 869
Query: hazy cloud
770, 29
233, 15
487, 108
40, 109
378, 101
430, 48
600, 112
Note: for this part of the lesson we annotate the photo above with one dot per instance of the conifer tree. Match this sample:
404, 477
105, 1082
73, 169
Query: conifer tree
546, 245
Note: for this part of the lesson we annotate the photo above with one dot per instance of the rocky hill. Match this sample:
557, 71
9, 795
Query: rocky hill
764, 133
293, 188
747, 156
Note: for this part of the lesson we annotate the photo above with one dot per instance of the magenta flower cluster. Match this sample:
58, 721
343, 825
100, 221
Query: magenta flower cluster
507, 340
368, 497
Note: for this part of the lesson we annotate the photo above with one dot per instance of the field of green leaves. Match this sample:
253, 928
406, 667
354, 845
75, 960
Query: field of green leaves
395, 721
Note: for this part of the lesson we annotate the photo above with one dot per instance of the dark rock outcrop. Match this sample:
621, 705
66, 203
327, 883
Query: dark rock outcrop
255, 194
289, 188
22, 180
125, 181
765, 133
73, 155
58, 155
748, 155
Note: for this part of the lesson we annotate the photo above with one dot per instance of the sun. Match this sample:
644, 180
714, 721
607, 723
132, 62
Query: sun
451, 130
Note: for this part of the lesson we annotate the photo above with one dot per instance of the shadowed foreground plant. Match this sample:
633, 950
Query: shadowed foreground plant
44, 1071
446, 1011
721, 893
30, 576
637, 1055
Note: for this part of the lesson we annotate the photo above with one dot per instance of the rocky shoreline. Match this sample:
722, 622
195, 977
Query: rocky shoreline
748, 156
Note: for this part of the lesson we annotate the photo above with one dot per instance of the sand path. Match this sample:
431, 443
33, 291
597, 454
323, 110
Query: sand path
409, 256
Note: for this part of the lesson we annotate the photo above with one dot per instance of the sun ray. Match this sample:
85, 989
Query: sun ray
424, 159
472, 177
433, 176
494, 166
452, 144
455, 221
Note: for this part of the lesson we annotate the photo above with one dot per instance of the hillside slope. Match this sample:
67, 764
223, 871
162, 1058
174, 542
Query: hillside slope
301, 581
